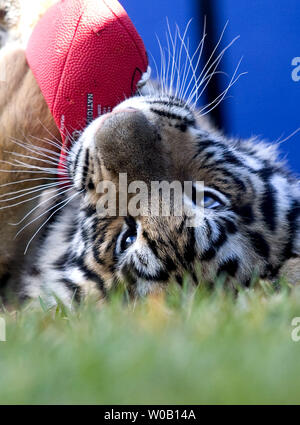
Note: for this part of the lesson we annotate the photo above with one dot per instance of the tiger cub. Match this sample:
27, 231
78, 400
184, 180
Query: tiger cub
248, 215
239, 219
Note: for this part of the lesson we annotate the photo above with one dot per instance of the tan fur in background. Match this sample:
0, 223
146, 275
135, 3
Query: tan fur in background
23, 115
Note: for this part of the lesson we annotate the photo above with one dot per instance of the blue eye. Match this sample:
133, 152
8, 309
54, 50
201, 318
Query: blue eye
209, 198
211, 202
128, 238
129, 241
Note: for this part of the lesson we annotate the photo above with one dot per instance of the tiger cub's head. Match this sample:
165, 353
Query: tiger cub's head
247, 219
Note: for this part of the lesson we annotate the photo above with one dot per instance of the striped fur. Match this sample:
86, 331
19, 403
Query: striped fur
253, 230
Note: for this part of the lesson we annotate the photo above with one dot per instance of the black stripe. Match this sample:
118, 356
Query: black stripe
63, 260
90, 275
230, 158
173, 116
245, 212
89, 210
230, 226
161, 276
259, 244
189, 251
130, 221
229, 266
182, 225
268, 206
182, 127
208, 143
208, 228
292, 218
179, 279
240, 184
221, 239
162, 242
273, 271
170, 102
96, 255
4, 280
207, 155
194, 277
91, 185
247, 282
169, 264
112, 241
177, 254
73, 287
152, 244
100, 228
208, 254
194, 195
84, 235
266, 172
85, 168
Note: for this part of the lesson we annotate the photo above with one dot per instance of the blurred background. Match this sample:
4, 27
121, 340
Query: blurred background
265, 101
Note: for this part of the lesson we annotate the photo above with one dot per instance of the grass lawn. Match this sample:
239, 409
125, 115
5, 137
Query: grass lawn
190, 346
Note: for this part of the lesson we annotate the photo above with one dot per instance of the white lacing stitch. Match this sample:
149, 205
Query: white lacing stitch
145, 78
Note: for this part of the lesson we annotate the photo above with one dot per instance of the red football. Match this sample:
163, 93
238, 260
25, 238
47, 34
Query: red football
87, 57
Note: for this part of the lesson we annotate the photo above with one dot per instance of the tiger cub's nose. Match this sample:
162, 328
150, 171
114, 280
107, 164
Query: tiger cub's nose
129, 143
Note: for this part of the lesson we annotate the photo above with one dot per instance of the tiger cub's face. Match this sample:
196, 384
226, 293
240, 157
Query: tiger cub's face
248, 215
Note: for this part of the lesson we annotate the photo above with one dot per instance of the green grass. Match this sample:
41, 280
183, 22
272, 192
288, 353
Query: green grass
188, 347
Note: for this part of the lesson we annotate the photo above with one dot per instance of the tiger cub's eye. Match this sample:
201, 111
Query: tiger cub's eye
128, 239
210, 202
